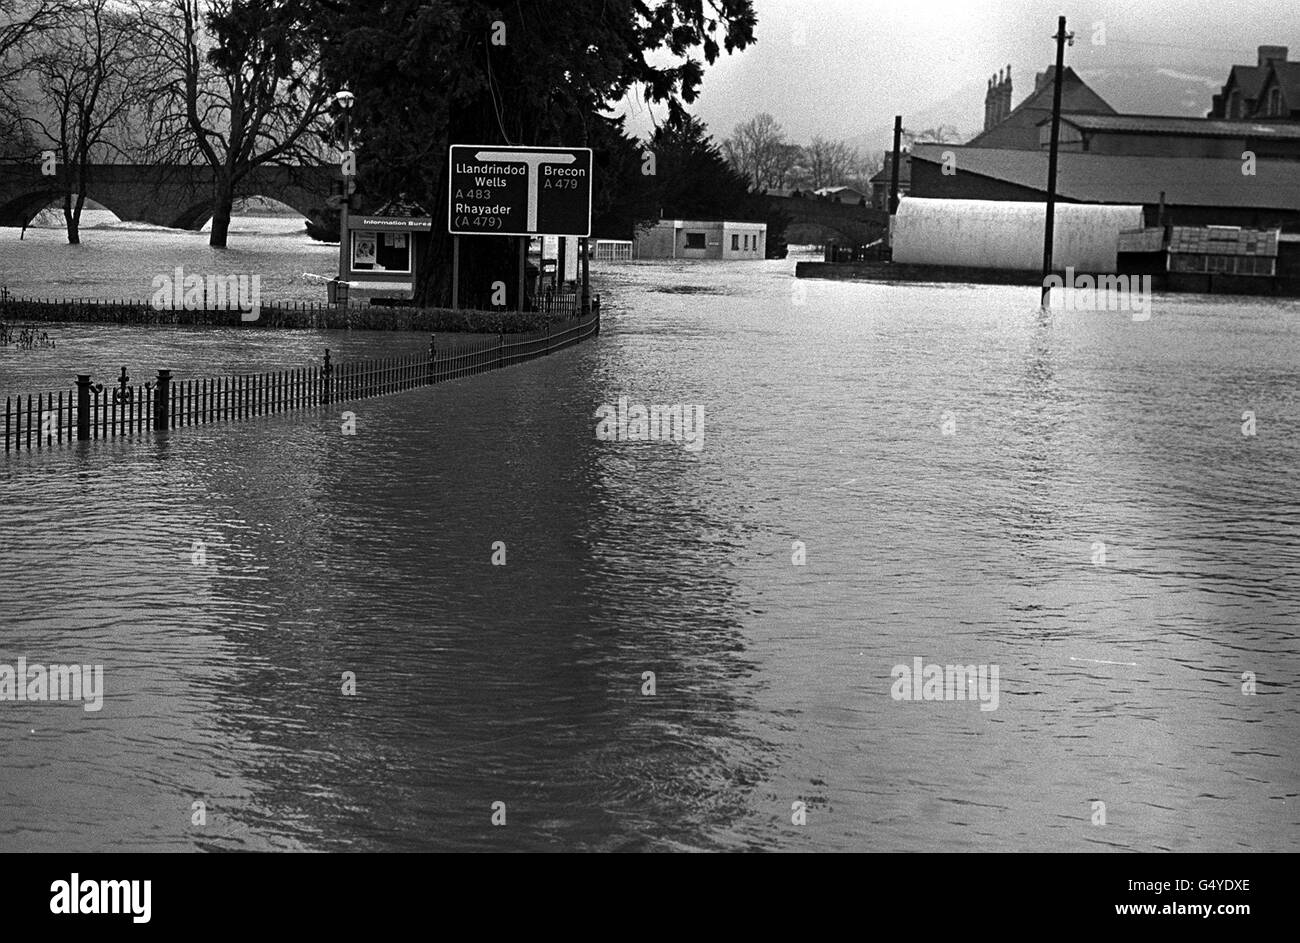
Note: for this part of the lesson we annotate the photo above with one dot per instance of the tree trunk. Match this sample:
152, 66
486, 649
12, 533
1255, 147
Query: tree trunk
223, 201
72, 219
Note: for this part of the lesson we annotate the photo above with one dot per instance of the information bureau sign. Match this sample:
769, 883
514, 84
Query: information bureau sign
519, 191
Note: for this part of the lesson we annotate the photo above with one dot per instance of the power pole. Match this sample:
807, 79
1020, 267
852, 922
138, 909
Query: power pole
1061, 37
893, 177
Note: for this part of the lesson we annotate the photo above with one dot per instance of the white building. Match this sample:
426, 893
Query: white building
701, 239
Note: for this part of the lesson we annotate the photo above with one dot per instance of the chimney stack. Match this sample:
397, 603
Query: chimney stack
997, 98
1269, 54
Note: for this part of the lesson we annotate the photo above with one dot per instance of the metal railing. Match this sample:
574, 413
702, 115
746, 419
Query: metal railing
94, 411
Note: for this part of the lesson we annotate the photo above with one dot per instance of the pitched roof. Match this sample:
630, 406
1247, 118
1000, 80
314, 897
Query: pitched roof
1249, 79
1102, 178
886, 174
1076, 96
1169, 124
1287, 76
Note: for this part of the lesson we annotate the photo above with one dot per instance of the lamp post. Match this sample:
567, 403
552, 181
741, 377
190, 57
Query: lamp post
344, 98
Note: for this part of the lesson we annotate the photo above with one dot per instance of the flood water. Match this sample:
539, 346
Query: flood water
826, 406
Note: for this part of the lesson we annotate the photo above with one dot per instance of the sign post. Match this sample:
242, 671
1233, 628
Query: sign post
518, 191
523, 262
455, 272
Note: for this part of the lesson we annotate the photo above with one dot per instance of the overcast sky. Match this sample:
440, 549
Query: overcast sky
843, 67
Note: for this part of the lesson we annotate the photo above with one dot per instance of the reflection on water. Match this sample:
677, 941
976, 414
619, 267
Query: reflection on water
523, 683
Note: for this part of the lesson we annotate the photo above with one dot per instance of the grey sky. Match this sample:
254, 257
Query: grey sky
844, 67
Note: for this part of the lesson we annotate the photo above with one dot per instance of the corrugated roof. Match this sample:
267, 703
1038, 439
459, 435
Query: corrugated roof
1169, 124
1099, 178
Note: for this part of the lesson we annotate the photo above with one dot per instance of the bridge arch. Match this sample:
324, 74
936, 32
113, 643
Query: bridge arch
820, 233
198, 215
178, 195
849, 222
19, 211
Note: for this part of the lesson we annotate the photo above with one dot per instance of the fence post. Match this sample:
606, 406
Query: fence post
325, 379
433, 356
162, 397
83, 407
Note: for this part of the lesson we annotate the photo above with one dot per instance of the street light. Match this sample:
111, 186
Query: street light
344, 99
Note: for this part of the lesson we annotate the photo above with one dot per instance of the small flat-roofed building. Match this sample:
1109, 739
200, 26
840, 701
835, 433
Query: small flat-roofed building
1201, 250
1228, 250
701, 239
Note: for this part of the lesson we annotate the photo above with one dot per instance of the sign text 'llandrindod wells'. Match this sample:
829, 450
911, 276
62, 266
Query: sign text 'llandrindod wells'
519, 191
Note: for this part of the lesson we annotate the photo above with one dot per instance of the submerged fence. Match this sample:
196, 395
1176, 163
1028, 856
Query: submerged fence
476, 314
94, 411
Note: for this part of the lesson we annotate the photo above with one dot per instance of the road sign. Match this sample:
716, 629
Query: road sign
519, 191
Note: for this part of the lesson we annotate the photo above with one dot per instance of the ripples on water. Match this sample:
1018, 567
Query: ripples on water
522, 683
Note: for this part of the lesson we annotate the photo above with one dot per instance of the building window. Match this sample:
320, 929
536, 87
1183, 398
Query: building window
381, 252
695, 240
1275, 102
1234, 105
735, 242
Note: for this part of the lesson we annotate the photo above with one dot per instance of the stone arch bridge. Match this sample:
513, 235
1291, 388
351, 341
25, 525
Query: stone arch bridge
814, 220
179, 196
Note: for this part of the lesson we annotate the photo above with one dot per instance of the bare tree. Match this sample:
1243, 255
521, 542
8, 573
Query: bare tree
757, 149
239, 88
829, 163
88, 77
865, 166
787, 166
21, 22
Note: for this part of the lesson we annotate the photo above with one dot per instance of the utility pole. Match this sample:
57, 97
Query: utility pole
893, 177
1062, 37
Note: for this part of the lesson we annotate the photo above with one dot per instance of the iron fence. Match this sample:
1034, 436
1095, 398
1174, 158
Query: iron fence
90, 410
